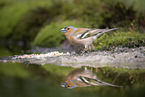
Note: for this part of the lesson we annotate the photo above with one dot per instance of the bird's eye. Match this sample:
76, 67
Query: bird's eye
67, 86
68, 28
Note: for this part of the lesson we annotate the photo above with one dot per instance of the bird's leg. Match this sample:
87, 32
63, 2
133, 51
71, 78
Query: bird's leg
90, 47
93, 46
83, 51
87, 48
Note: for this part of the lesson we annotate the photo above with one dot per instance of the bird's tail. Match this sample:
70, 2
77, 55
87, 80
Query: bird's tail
107, 84
107, 30
96, 82
102, 31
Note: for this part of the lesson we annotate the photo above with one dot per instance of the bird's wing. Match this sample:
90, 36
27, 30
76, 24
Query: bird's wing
95, 82
81, 32
92, 32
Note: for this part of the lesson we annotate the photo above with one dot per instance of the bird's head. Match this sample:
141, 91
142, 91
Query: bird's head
69, 29
69, 84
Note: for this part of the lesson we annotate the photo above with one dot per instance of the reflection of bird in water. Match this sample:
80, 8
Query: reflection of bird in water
83, 78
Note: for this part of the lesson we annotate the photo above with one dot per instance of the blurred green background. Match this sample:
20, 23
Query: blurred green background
38, 22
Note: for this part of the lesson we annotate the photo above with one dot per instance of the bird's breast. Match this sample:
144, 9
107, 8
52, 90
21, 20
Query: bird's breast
73, 40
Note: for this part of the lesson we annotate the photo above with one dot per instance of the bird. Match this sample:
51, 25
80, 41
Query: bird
83, 78
84, 36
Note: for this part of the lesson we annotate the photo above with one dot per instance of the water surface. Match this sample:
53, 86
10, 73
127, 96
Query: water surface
31, 80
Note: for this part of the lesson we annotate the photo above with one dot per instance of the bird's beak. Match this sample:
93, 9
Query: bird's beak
63, 30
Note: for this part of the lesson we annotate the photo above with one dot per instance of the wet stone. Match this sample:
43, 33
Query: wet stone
120, 57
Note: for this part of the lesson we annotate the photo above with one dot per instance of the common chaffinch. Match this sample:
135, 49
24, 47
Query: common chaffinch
83, 36
83, 78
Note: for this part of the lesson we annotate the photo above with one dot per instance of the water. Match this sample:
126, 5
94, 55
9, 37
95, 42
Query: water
31, 80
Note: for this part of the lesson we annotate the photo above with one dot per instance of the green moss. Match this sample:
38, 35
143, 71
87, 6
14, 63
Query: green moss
128, 39
51, 35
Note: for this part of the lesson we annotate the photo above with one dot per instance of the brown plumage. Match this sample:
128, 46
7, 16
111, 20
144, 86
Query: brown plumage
83, 36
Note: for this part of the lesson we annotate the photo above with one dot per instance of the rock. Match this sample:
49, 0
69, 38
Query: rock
120, 57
